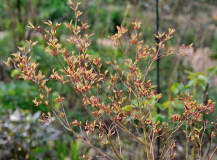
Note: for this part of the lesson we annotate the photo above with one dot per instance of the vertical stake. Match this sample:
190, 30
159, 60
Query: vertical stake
158, 71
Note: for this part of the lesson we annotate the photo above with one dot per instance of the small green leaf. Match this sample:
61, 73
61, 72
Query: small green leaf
174, 88
127, 108
177, 87
166, 104
14, 73
204, 78
202, 84
212, 71
191, 82
57, 106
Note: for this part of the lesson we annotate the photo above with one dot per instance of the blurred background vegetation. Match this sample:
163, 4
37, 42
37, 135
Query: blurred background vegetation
22, 137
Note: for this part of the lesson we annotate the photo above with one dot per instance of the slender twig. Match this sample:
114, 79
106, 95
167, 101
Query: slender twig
167, 150
119, 141
213, 153
171, 136
114, 149
187, 141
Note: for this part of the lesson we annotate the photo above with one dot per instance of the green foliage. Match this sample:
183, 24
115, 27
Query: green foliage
74, 150
197, 79
12, 95
62, 150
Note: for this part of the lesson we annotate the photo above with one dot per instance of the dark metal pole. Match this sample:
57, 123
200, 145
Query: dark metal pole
158, 71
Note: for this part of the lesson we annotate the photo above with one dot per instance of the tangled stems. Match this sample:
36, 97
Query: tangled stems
71, 129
